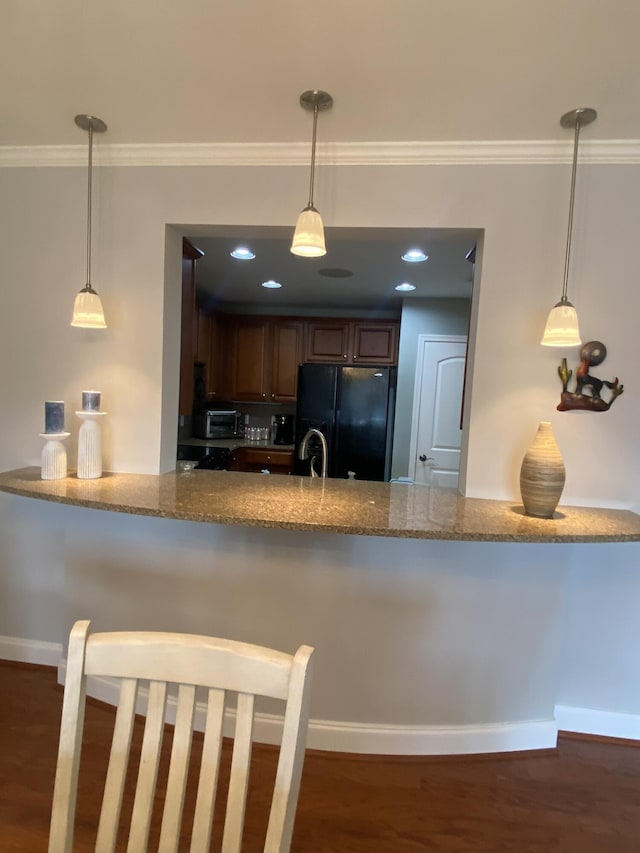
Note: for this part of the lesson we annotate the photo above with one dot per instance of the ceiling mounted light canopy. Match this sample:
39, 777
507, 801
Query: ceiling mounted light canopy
562, 328
87, 309
308, 238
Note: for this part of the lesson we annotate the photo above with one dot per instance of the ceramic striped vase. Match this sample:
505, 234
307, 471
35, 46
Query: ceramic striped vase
542, 474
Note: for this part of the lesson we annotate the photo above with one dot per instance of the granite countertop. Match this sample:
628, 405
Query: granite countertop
332, 506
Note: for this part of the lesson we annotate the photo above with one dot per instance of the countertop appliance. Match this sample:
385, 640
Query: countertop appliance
217, 423
284, 429
354, 409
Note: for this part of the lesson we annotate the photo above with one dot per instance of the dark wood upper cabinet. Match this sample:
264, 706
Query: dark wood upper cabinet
327, 341
265, 357
218, 378
250, 359
189, 326
203, 340
375, 343
287, 337
352, 342
255, 358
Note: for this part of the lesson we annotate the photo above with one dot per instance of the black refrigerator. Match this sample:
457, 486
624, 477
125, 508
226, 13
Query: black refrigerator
354, 408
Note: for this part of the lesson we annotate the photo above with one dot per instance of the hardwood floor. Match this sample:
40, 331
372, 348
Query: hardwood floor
583, 797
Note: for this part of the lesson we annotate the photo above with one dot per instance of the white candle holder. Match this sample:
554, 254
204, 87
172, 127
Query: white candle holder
90, 446
54, 456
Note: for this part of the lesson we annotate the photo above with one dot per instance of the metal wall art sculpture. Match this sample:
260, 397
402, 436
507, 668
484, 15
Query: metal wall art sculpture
588, 388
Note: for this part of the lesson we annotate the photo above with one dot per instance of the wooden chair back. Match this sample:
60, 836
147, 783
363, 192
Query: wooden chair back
221, 667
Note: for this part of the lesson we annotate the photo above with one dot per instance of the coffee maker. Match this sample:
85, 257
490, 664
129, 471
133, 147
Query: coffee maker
284, 429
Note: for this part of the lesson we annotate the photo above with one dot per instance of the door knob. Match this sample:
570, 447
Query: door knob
424, 458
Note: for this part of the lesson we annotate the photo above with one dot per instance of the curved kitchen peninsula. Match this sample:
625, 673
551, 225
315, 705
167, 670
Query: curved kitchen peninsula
353, 507
438, 620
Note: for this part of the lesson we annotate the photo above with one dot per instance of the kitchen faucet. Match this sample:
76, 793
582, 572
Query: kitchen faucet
302, 452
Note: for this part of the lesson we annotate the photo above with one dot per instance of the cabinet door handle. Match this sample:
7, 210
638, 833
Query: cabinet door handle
345, 355
264, 394
354, 358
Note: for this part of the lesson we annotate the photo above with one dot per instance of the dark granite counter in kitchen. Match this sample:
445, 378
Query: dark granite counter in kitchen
332, 506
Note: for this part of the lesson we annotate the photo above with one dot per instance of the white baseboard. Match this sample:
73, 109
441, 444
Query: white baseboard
591, 722
375, 739
30, 651
431, 740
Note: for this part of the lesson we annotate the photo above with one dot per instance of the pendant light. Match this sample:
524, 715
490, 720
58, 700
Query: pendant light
87, 309
562, 324
308, 238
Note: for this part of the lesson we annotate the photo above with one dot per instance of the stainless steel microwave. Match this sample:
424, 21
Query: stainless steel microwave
217, 423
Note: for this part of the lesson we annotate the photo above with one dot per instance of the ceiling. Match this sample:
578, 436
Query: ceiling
215, 73
359, 271
227, 71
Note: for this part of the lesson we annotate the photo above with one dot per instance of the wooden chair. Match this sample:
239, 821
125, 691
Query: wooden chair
188, 661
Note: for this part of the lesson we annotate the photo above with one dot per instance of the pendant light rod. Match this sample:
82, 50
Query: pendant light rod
315, 100
89, 184
90, 124
576, 119
313, 155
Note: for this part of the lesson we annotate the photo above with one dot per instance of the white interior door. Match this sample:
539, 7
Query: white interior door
435, 431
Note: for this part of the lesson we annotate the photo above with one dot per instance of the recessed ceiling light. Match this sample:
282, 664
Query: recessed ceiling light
242, 253
406, 287
414, 256
271, 284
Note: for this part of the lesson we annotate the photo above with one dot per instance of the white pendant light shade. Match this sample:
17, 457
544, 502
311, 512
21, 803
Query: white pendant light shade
562, 327
87, 311
308, 239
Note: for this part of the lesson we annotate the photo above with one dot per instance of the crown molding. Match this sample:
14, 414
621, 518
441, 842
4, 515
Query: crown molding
484, 153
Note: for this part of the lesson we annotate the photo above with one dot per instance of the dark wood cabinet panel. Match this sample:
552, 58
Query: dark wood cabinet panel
375, 343
256, 459
327, 341
189, 326
352, 341
265, 358
255, 358
251, 359
218, 374
203, 339
286, 358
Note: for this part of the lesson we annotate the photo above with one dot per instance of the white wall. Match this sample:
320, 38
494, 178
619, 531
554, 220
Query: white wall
521, 208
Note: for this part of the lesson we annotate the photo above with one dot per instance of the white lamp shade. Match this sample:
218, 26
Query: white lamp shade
562, 327
308, 239
87, 311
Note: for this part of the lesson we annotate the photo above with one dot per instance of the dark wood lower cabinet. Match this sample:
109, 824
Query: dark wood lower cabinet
257, 459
